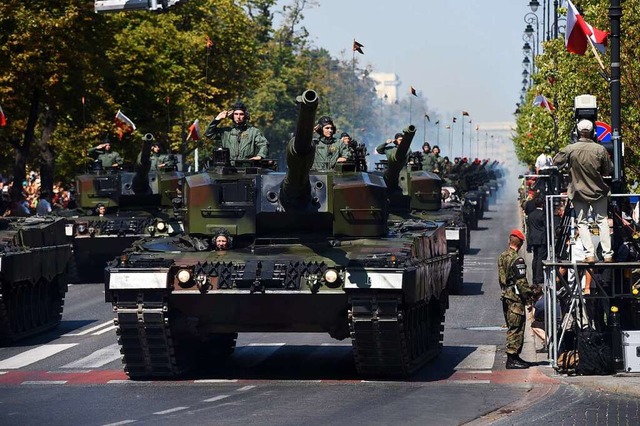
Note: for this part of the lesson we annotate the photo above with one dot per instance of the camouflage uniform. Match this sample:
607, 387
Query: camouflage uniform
328, 150
156, 159
516, 291
243, 141
108, 158
428, 162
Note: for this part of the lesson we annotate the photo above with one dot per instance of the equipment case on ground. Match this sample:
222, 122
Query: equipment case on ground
631, 351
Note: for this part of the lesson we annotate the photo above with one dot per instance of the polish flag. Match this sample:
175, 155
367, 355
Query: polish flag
124, 124
194, 131
543, 102
3, 118
578, 32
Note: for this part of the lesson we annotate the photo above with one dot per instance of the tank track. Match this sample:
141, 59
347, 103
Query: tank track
150, 348
144, 334
456, 277
392, 340
29, 308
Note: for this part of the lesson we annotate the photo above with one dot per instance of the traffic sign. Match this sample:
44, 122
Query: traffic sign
603, 131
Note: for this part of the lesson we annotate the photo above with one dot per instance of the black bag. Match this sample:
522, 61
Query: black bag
594, 354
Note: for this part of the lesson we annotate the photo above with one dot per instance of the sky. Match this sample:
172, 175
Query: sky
460, 55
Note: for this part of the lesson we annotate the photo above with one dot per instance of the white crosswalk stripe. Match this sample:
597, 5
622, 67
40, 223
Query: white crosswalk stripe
482, 358
97, 359
34, 355
92, 329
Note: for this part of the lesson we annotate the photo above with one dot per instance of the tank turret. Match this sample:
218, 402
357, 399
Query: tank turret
296, 188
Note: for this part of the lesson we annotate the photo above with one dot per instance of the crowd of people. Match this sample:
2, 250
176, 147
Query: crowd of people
33, 199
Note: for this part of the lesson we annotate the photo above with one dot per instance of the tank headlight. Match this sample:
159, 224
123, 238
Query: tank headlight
92, 230
82, 228
151, 229
331, 277
184, 276
161, 226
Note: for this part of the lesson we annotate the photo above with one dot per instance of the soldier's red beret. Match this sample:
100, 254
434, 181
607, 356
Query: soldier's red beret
517, 233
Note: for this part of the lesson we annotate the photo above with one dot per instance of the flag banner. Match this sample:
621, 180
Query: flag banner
357, 47
437, 122
465, 113
3, 118
124, 124
578, 32
209, 43
447, 127
427, 117
477, 128
194, 131
454, 119
413, 91
543, 102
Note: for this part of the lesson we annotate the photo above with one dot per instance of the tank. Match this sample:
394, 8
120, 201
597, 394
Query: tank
34, 253
311, 252
416, 195
138, 203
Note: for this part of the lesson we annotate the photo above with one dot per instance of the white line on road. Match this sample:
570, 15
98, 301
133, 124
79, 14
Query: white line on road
482, 358
98, 358
215, 381
170, 410
124, 422
34, 355
245, 388
44, 382
92, 329
97, 333
216, 398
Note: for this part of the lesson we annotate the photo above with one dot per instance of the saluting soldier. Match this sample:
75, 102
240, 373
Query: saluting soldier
516, 291
105, 155
242, 140
329, 150
389, 145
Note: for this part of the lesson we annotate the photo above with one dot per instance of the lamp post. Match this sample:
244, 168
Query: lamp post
533, 35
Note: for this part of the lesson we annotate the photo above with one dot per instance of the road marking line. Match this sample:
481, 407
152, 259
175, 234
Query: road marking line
97, 359
471, 382
482, 358
216, 398
34, 355
245, 388
97, 333
92, 329
170, 410
121, 381
3, 372
44, 382
215, 381
124, 422
266, 344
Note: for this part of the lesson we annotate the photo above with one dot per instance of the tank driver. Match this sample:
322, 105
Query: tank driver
243, 140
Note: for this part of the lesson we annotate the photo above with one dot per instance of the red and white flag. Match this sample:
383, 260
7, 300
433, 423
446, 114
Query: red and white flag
124, 124
194, 131
579, 32
543, 102
3, 118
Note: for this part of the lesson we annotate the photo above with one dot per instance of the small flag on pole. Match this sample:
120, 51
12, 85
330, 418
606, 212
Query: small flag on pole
543, 102
124, 124
194, 131
427, 117
465, 113
3, 118
455, 119
413, 91
209, 43
437, 122
447, 127
357, 47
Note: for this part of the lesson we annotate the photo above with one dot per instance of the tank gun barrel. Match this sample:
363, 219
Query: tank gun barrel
140, 183
398, 160
296, 189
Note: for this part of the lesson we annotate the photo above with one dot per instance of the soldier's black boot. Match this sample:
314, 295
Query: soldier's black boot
515, 363
530, 364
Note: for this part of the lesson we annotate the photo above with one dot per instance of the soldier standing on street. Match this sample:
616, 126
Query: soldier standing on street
105, 155
516, 291
242, 140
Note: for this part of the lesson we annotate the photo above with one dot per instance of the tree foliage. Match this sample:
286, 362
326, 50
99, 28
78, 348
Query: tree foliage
562, 76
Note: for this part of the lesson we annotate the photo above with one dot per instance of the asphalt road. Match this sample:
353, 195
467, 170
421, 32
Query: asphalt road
73, 375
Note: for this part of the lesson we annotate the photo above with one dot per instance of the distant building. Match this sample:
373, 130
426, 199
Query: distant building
387, 84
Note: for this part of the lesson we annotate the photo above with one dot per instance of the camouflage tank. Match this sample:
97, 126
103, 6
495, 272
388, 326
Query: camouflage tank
34, 253
415, 194
137, 204
311, 252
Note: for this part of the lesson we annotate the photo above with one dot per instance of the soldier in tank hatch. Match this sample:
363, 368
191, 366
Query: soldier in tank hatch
329, 151
243, 140
104, 154
389, 144
158, 161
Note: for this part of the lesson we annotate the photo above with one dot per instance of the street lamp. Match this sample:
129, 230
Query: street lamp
534, 4
526, 48
525, 73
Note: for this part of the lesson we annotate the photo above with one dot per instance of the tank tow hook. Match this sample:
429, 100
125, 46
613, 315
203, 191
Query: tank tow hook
257, 285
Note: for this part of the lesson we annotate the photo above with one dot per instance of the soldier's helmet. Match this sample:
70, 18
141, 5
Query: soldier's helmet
323, 121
